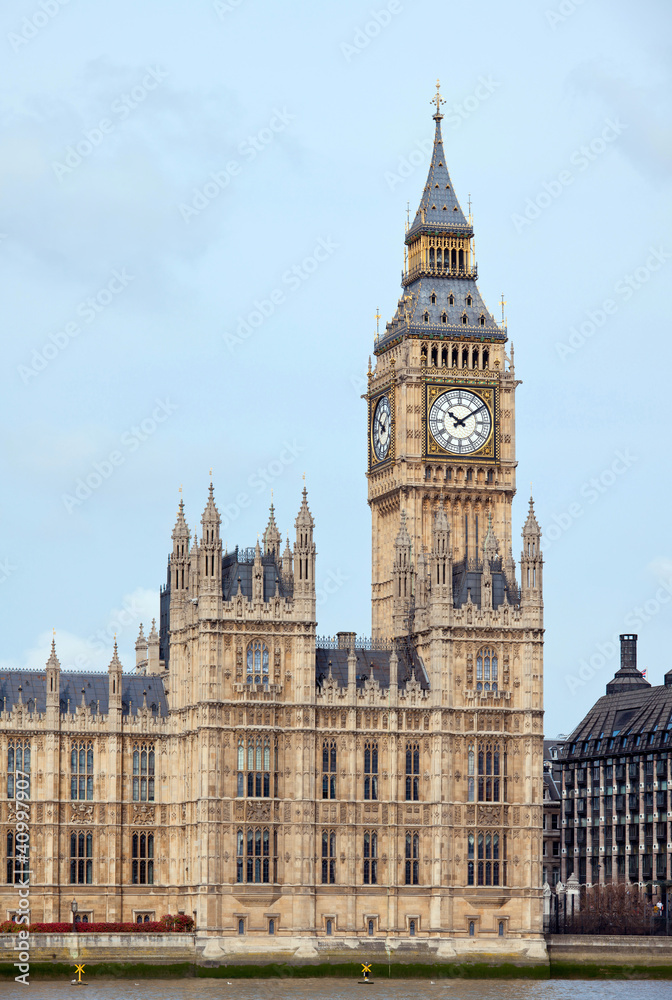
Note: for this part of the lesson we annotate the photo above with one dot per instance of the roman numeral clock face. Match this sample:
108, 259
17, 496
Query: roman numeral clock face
382, 429
460, 422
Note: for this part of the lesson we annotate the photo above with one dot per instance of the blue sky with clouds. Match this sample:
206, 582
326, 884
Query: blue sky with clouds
202, 206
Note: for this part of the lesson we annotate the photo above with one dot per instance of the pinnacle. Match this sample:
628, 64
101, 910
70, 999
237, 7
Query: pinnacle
211, 514
140, 641
53, 660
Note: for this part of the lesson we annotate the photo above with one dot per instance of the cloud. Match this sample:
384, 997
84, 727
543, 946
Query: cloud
93, 653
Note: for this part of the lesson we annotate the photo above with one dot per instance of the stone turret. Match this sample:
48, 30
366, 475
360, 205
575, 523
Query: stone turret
53, 670
153, 663
272, 537
531, 563
402, 579
114, 671
304, 552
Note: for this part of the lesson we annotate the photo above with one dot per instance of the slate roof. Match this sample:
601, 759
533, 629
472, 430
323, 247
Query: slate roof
96, 692
240, 564
631, 717
378, 659
439, 207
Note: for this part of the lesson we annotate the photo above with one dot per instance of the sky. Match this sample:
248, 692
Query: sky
202, 206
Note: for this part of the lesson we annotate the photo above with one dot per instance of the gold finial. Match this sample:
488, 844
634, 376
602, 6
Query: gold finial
438, 100
503, 304
180, 489
304, 477
408, 215
271, 496
211, 472
377, 322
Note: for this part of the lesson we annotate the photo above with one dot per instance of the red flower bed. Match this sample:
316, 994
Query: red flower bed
179, 924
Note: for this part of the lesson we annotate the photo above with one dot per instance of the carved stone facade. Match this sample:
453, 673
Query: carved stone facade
249, 772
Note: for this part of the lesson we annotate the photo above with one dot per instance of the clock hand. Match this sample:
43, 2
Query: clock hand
459, 421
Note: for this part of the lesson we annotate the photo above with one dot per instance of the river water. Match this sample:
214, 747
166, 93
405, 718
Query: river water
342, 989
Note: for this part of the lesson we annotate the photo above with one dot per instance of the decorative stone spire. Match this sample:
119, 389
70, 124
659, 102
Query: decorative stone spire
210, 561
140, 651
531, 562
272, 537
153, 665
304, 551
114, 672
53, 679
402, 579
441, 574
287, 573
257, 575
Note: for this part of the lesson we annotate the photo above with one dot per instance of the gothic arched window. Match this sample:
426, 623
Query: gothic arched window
257, 662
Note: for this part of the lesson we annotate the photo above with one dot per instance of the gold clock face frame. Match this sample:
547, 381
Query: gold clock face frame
461, 422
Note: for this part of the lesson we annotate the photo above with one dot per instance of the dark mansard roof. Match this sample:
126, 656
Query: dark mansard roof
631, 716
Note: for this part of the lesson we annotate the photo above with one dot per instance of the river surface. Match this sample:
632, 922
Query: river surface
342, 989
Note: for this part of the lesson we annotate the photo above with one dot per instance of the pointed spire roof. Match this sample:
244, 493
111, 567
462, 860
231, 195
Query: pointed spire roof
153, 635
181, 529
304, 517
140, 642
439, 207
272, 537
531, 526
211, 514
490, 543
403, 538
53, 660
115, 662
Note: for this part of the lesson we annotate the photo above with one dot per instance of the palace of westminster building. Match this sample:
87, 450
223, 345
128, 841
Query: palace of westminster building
270, 782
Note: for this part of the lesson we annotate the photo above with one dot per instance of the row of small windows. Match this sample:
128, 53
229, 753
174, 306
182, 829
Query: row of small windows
255, 778
18, 767
464, 319
449, 259
81, 858
82, 770
255, 861
486, 859
329, 926
451, 299
490, 782
464, 358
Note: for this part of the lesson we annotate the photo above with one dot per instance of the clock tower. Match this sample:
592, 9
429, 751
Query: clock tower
440, 415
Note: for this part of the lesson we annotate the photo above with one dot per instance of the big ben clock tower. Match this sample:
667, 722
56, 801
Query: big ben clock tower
440, 416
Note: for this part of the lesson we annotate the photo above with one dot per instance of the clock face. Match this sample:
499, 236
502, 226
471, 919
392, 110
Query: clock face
382, 428
460, 421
